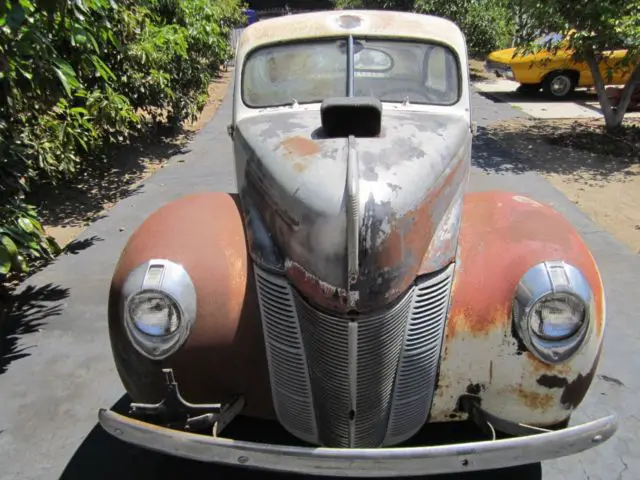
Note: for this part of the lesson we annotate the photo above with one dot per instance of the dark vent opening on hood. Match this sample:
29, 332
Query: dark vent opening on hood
357, 116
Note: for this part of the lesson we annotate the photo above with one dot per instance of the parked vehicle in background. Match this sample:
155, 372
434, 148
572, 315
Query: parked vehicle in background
615, 94
556, 72
353, 291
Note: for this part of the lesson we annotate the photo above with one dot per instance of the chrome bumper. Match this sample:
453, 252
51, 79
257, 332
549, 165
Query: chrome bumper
377, 462
499, 69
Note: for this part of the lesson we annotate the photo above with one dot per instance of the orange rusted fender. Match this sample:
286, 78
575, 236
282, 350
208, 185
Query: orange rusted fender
224, 354
501, 236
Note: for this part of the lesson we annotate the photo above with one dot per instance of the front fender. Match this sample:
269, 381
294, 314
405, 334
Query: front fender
224, 354
501, 236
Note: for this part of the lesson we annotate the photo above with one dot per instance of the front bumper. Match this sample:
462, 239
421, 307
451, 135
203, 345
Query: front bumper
375, 462
501, 70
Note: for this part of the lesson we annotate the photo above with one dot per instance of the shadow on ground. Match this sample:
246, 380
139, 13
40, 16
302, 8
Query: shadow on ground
102, 456
100, 183
77, 246
28, 311
580, 97
577, 149
104, 182
25, 311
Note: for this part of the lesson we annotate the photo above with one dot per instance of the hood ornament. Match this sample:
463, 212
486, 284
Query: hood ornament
353, 219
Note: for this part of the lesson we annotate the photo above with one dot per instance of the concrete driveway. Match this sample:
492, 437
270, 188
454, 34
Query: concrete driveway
582, 104
57, 368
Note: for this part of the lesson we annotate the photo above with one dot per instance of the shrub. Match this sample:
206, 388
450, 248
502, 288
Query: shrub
79, 76
486, 24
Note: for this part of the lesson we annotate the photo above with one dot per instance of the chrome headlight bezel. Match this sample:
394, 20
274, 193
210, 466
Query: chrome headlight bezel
544, 281
172, 282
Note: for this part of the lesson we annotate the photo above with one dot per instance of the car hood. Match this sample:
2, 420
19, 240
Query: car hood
296, 181
503, 56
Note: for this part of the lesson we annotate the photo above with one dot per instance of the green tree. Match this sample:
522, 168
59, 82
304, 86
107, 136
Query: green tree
487, 24
80, 76
591, 29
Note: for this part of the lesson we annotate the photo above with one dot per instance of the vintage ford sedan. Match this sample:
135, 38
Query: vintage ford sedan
353, 291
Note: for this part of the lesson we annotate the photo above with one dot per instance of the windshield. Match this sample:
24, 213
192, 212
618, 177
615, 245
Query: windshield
392, 71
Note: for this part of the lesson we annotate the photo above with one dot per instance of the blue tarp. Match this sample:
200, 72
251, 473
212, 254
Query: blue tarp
252, 16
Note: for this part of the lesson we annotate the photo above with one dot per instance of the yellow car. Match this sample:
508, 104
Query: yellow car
555, 72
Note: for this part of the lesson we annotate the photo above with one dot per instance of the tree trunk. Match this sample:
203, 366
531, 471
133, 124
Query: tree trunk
613, 117
621, 109
598, 81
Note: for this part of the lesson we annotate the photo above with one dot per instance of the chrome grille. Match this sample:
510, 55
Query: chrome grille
416, 377
371, 379
286, 357
353, 392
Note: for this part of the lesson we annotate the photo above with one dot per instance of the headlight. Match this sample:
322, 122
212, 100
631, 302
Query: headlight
557, 317
159, 307
154, 313
552, 310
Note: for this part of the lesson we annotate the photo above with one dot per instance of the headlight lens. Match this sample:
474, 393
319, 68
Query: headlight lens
159, 307
557, 317
154, 313
552, 310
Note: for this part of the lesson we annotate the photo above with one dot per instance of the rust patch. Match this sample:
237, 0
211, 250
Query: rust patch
210, 366
552, 381
574, 391
534, 400
501, 237
299, 167
300, 147
475, 389
540, 367
314, 289
434, 211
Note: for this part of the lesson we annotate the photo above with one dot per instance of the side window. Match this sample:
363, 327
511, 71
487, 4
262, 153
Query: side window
436, 74
440, 72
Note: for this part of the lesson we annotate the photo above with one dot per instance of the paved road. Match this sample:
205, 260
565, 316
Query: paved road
57, 368
582, 103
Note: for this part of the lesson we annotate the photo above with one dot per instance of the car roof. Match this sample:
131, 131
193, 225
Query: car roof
332, 23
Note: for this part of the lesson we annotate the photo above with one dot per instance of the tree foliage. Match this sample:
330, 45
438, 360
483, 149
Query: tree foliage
487, 24
77, 76
592, 29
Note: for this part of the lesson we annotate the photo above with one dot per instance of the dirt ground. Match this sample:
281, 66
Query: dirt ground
68, 210
599, 172
477, 72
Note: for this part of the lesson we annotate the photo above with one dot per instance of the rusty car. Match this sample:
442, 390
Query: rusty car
354, 292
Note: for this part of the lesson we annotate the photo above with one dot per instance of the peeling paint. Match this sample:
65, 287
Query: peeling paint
299, 147
573, 392
226, 337
530, 201
481, 345
408, 180
533, 399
